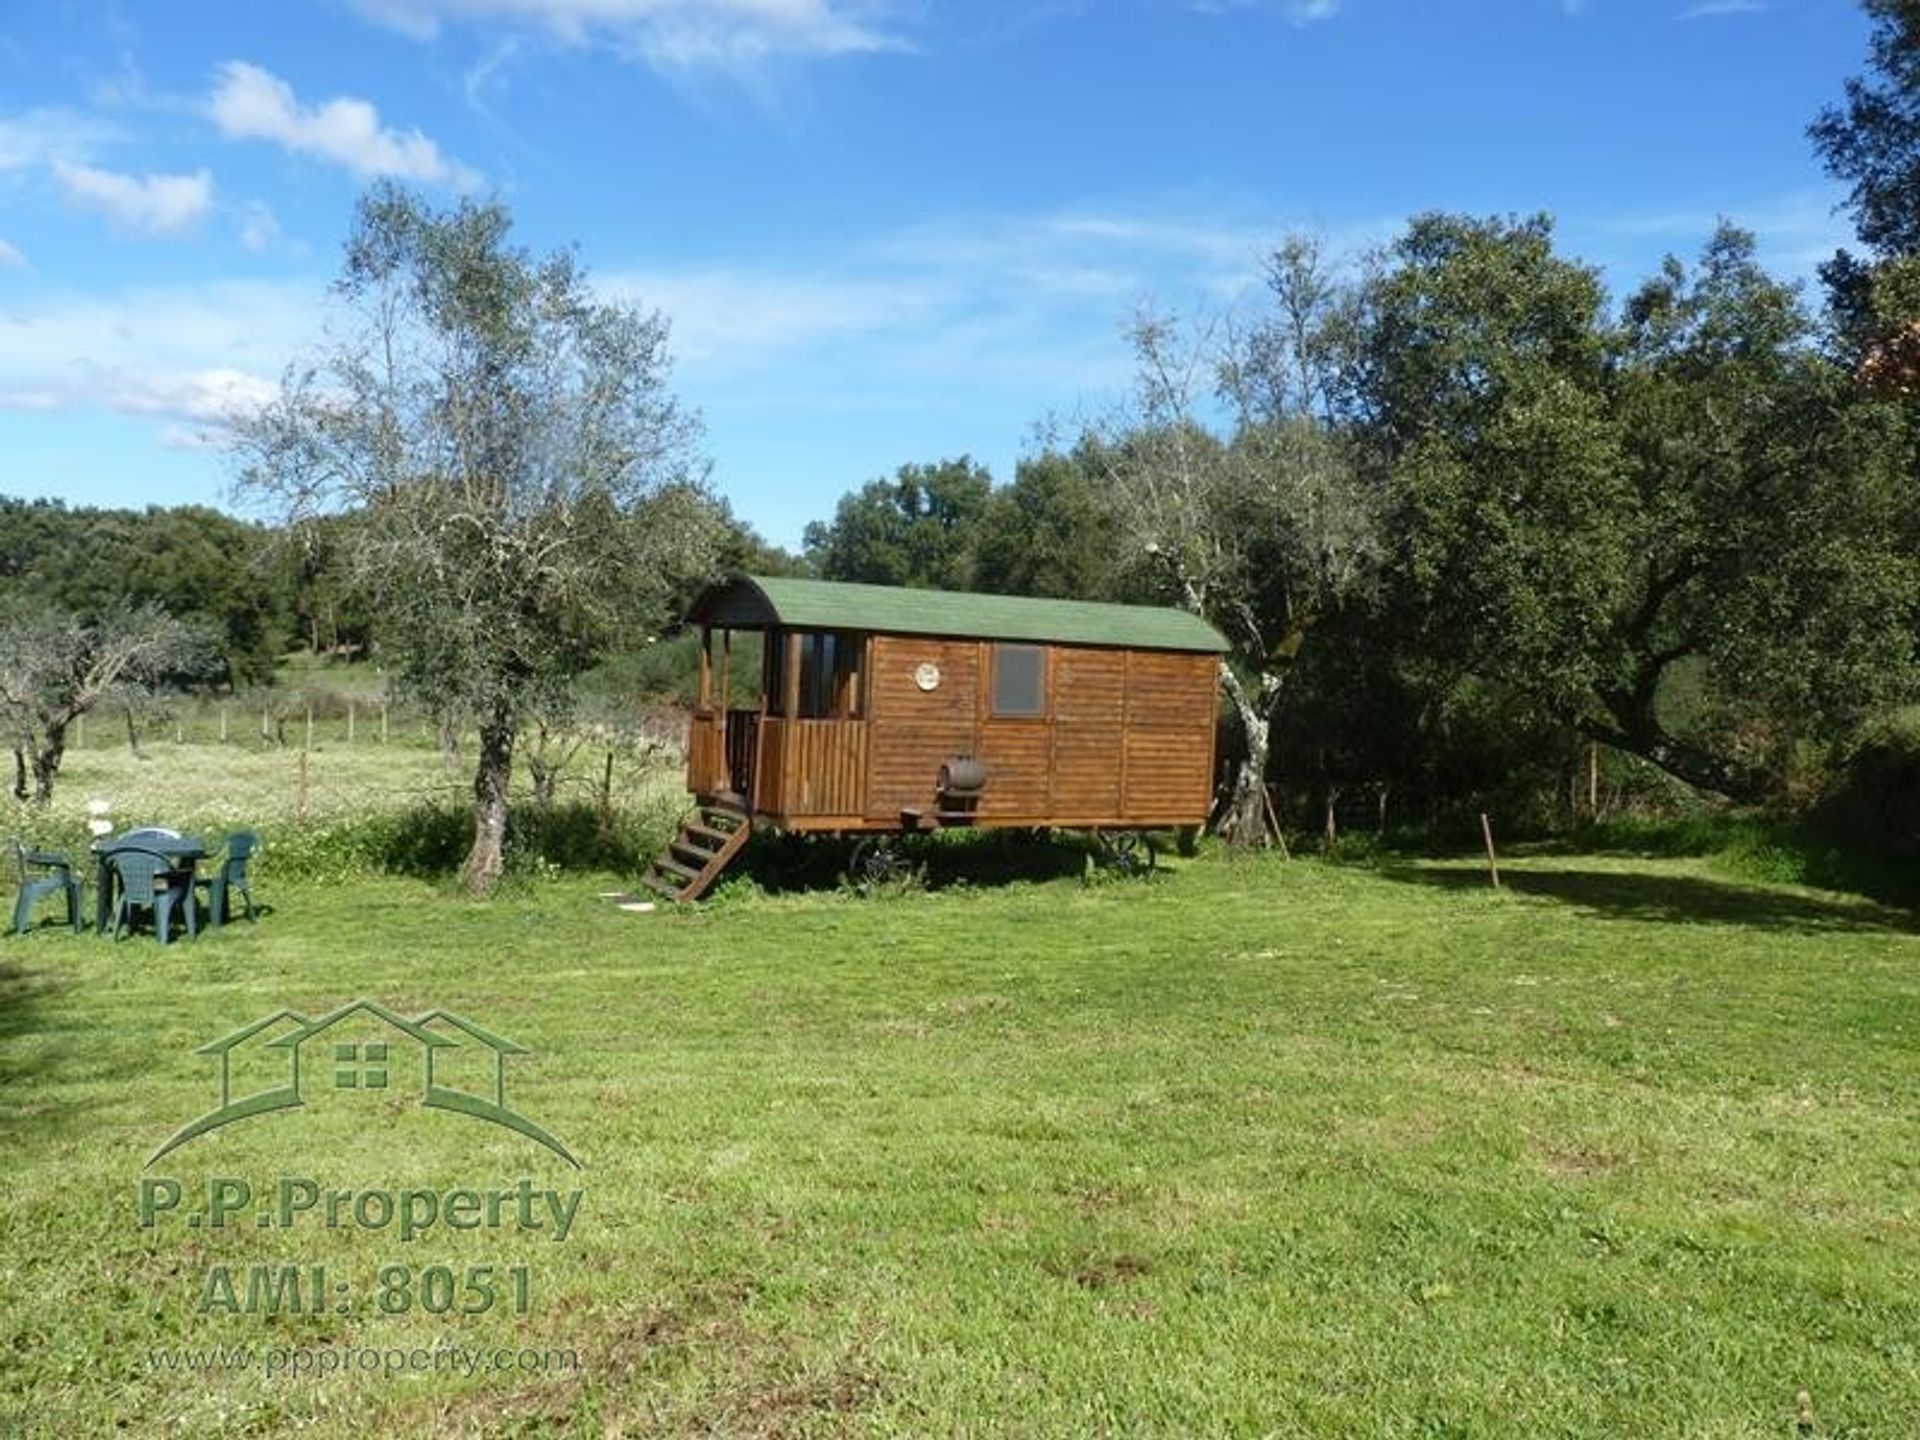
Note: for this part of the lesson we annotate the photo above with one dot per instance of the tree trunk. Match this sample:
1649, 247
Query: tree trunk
20, 773
1244, 821
550, 752
1743, 784
545, 778
449, 736
495, 768
46, 759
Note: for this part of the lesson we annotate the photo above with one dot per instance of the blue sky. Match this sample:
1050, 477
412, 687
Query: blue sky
884, 230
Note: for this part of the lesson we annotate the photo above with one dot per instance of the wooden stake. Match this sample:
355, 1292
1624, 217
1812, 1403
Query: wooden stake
606, 793
266, 730
1493, 861
1273, 819
1593, 782
303, 785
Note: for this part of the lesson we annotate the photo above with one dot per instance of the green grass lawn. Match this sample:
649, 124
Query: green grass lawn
1254, 1148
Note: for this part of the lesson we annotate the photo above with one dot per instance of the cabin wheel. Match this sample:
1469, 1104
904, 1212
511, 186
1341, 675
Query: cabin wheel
1128, 852
877, 860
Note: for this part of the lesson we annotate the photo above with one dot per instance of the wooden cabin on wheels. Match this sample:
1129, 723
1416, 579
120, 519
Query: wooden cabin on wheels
867, 709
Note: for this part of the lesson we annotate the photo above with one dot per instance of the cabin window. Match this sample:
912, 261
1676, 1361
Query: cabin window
1019, 680
829, 686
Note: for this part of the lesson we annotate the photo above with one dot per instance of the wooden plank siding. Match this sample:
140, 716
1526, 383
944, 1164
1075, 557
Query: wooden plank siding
1126, 739
910, 730
1169, 758
1018, 756
1089, 726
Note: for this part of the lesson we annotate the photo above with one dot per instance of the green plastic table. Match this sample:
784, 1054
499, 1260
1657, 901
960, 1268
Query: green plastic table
183, 851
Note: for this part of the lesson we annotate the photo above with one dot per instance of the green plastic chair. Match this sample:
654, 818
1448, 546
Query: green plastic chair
60, 881
149, 882
229, 876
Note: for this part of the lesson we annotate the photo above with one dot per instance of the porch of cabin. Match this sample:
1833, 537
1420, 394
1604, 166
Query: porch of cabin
780, 723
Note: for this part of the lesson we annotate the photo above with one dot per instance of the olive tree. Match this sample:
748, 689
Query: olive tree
56, 666
526, 485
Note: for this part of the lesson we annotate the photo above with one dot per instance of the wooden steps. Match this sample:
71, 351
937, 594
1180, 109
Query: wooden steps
687, 868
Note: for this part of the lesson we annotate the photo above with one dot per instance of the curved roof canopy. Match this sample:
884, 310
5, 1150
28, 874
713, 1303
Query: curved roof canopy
751, 602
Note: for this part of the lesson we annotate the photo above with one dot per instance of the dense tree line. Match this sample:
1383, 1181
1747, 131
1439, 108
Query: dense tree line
1458, 491
195, 563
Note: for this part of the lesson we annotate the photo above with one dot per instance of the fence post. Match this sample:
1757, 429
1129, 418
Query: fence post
303, 786
1493, 861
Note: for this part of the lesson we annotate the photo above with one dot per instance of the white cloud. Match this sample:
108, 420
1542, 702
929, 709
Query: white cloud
733, 318
148, 204
1795, 231
202, 398
1030, 301
11, 258
188, 356
259, 227
1300, 12
249, 103
671, 35
51, 133
1714, 9
205, 396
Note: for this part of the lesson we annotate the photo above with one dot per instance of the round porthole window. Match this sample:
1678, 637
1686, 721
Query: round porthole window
927, 675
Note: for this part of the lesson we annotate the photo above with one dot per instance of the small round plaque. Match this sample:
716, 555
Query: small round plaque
927, 675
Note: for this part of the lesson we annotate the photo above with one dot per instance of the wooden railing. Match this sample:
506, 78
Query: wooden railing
824, 767
743, 737
706, 753
784, 767
767, 777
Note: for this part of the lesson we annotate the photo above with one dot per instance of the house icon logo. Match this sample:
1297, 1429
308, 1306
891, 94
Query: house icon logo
293, 1058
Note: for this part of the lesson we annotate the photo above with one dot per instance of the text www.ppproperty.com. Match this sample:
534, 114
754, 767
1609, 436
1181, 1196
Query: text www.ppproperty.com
315, 1361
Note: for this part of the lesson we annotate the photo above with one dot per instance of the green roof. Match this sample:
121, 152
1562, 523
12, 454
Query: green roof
750, 601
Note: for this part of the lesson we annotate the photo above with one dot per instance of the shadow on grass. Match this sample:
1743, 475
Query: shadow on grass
1672, 899
430, 842
37, 1049
781, 864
